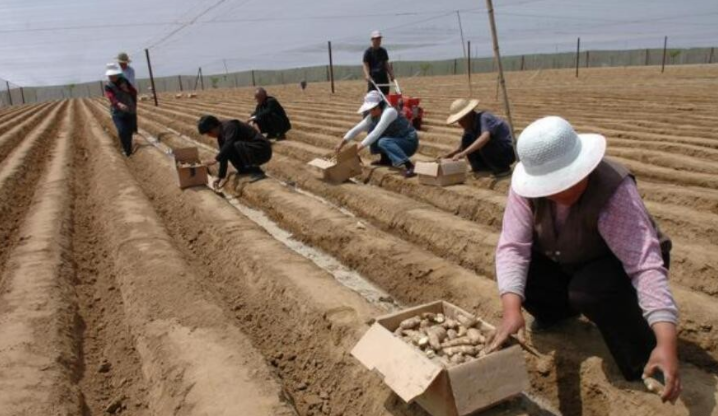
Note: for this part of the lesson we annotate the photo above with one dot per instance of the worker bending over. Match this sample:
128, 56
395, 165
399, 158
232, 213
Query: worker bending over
577, 239
269, 116
487, 141
238, 144
390, 134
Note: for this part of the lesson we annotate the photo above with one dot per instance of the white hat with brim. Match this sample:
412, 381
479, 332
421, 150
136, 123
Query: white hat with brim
460, 108
371, 100
375, 34
113, 69
578, 156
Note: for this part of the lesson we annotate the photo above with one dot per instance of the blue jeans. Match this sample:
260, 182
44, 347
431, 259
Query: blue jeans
126, 124
397, 149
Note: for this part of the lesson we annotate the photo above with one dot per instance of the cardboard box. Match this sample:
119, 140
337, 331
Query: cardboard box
340, 167
443, 173
190, 171
455, 391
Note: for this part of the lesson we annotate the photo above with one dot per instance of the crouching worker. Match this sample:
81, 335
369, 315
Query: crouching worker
390, 134
123, 105
269, 116
487, 141
238, 144
577, 239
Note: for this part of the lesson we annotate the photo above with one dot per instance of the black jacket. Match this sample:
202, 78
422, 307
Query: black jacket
273, 112
242, 145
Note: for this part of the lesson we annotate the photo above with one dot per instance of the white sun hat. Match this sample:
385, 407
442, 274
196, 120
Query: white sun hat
554, 158
112, 69
375, 34
371, 100
460, 108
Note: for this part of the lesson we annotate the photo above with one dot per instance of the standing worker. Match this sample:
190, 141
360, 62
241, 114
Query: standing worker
129, 73
376, 65
577, 239
269, 116
123, 105
124, 60
487, 141
239, 144
390, 134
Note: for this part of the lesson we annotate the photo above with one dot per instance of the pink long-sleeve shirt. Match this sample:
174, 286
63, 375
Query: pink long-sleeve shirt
626, 228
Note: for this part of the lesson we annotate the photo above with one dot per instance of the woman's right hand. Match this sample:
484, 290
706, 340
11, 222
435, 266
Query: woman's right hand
511, 324
339, 146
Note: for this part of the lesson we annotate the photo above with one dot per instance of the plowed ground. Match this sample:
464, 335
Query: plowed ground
120, 293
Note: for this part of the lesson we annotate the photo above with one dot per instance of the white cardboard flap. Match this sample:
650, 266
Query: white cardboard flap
348, 153
187, 154
450, 167
321, 164
427, 168
405, 369
484, 382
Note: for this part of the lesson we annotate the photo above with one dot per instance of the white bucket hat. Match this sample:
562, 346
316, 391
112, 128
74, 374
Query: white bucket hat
554, 158
375, 34
459, 108
113, 69
371, 100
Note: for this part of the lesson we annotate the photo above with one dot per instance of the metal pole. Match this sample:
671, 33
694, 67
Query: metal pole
179, 78
647, 54
22, 95
226, 71
201, 78
468, 67
9, 94
587, 57
455, 65
497, 54
461, 29
665, 49
102, 89
254, 84
331, 65
522, 62
578, 55
152, 78
710, 57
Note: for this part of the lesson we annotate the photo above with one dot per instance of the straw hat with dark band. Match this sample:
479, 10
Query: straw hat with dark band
460, 108
123, 58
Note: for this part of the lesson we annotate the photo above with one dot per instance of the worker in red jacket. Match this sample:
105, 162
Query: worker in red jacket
123, 105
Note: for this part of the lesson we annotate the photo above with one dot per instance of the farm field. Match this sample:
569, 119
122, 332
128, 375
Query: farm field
121, 293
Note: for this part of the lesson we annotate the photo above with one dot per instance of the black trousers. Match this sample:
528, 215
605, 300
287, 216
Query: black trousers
493, 157
126, 125
602, 291
379, 80
273, 125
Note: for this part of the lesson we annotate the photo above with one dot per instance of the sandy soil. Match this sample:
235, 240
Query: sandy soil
121, 294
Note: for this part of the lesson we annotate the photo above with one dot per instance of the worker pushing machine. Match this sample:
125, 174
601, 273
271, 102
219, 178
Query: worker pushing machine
377, 69
269, 116
239, 144
390, 134
577, 239
123, 105
486, 143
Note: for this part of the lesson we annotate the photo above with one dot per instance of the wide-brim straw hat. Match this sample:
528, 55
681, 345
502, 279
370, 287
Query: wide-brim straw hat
113, 69
371, 100
460, 108
123, 58
553, 157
